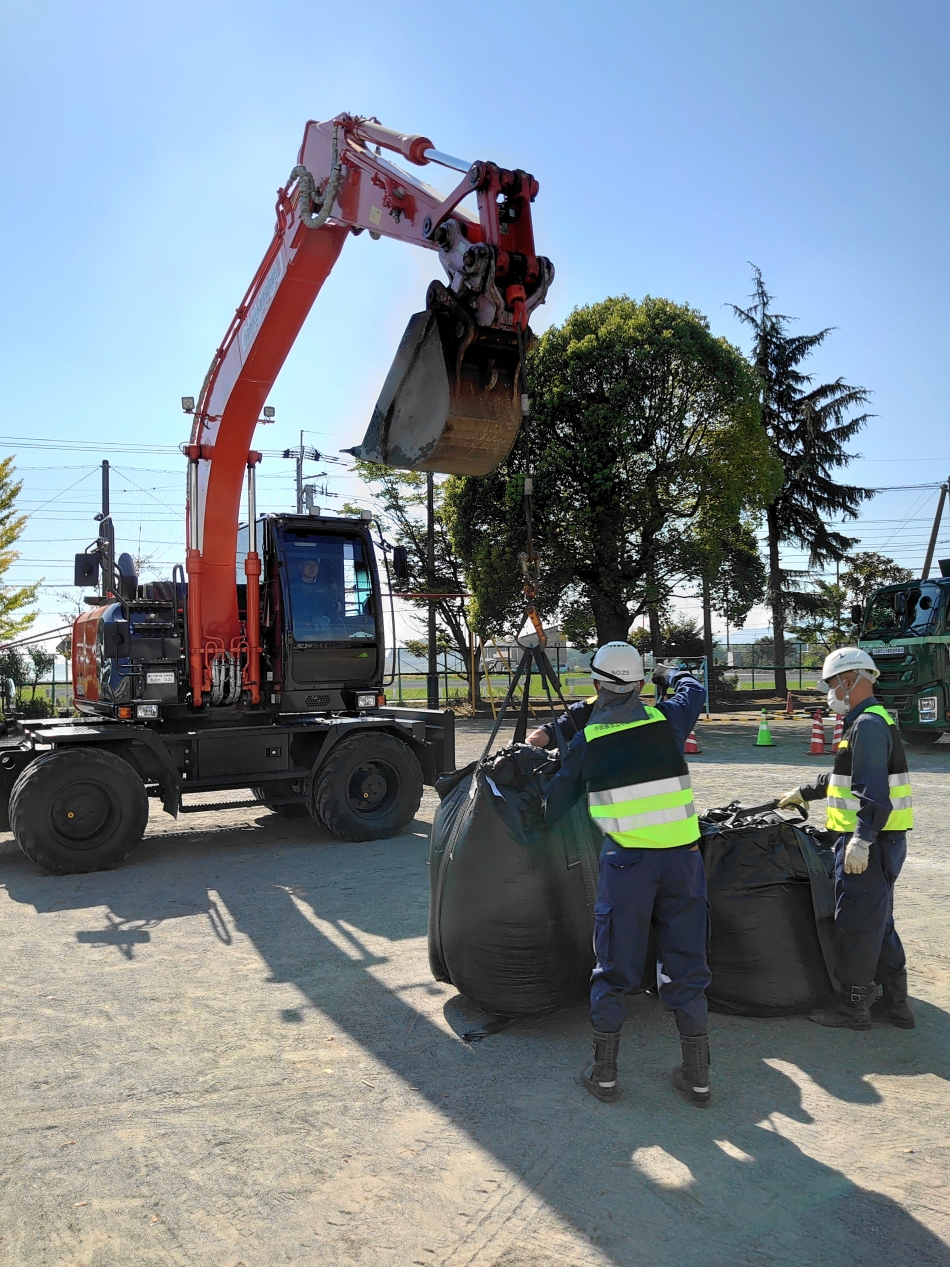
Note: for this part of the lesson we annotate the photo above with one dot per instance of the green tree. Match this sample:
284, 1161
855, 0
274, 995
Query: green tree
14, 664
729, 569
867, 571
642, 419
401, 496
41, 663
14, 620
824, 621
808, 428
682, 637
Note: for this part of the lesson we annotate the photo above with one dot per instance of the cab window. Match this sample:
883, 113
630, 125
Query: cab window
329, 583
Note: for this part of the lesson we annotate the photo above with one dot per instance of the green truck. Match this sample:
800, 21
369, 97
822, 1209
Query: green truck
906, 629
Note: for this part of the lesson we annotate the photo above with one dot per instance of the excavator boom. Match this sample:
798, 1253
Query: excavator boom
452, 401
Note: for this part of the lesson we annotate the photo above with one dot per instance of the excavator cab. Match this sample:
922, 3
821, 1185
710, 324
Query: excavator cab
323, 645
452, 399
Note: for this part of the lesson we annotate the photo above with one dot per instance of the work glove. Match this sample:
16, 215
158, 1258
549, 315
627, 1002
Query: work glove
792, 799
663, 675
856, 854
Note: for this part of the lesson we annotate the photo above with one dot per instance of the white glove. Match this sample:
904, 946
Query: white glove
791, 799
856, 853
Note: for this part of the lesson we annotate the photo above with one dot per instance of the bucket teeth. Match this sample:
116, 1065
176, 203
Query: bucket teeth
451, 401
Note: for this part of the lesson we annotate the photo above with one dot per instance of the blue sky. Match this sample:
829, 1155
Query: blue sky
674, 143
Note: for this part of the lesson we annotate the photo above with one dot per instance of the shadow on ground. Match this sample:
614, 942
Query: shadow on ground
647, 1180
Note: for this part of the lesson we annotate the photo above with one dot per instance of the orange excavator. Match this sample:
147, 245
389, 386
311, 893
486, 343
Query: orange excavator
262, 663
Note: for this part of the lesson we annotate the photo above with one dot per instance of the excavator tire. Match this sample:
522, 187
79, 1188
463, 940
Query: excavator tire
369, 787
267, 797
77, 810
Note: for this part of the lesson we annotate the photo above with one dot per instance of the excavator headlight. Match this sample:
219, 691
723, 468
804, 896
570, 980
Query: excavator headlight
147, 712
366, 701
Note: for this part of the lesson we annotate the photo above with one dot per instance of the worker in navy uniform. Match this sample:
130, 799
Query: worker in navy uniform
628, 760
869, 805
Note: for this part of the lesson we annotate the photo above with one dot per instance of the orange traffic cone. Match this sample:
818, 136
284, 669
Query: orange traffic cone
692, 746
839, 732
817, 748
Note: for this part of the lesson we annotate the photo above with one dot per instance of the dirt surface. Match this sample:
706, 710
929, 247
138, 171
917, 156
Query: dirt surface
231, 1051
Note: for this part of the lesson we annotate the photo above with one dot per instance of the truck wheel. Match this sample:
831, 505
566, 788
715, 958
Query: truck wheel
296, 809
78, 809
369, 787
921, 738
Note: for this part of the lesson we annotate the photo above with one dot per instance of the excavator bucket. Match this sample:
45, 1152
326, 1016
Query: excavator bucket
452, 399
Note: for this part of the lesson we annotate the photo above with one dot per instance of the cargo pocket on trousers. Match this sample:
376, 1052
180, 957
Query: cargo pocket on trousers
602, 938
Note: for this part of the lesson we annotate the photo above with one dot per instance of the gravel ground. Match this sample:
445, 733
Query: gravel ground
231, 1052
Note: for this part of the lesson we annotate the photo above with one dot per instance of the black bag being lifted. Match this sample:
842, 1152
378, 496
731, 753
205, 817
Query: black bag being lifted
511, 909
510, 916
771, 912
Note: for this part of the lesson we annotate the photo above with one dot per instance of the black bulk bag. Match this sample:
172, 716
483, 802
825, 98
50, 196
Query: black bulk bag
771, 912
511, 910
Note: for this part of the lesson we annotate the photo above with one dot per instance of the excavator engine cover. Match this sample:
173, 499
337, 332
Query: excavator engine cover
452, 399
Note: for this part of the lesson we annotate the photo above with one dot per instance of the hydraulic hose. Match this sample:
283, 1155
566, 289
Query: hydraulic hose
308, 195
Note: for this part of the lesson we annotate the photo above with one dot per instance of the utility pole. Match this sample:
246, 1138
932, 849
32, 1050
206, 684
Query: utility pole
932, 544
432, 674
299, 456
106, 537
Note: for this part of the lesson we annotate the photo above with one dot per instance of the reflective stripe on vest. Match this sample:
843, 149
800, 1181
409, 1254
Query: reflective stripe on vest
654, 814
842, 813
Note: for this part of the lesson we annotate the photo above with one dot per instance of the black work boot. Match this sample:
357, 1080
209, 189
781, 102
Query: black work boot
892, 1008
600, 1077
691, 1078
849, 1010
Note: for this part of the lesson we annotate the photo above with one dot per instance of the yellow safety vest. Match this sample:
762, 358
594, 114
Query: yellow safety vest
638, 787
843, 808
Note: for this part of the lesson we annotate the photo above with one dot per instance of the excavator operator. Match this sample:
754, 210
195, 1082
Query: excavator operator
315, 602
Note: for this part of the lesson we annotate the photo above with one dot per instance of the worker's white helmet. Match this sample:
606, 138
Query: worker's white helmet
847, 660
617, 666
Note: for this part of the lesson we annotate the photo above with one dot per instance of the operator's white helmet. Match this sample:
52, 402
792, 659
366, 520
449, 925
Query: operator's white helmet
847, 660
617, 666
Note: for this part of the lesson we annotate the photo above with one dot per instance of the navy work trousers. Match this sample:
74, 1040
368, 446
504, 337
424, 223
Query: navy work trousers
637, 885
867, 947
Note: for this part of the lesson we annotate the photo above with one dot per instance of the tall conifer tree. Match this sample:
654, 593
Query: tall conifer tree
13, 598
808, 428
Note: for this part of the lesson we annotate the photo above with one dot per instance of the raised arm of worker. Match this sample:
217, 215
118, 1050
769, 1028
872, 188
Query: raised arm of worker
569, 724
682, 708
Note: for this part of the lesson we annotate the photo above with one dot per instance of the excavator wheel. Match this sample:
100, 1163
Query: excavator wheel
78, 809
369, 787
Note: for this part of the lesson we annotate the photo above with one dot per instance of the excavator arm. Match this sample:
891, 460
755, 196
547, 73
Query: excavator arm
452, 401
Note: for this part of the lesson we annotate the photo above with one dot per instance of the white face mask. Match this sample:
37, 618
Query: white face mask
839, 705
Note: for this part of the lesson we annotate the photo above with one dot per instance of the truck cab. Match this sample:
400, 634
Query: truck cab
906, 630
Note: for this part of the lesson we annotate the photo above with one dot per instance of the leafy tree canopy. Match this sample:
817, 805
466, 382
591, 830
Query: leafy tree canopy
681, 637
867, 571
643, 423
